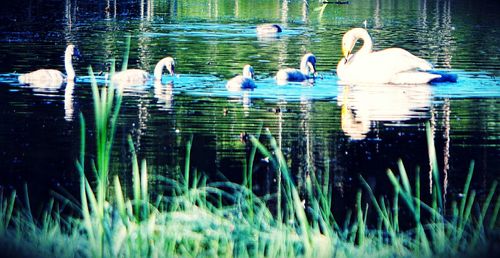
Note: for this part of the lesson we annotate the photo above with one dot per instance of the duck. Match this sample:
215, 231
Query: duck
244, 81
53, 77
137, 77
268, 28
307, 71
391, 65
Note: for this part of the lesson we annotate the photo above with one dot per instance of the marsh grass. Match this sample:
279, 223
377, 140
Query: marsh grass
196, 218
193, 218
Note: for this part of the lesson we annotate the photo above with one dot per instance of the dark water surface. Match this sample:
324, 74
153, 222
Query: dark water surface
325, 128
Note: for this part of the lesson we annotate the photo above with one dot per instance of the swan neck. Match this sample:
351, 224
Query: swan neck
159, 70
367, 44
68, 66
304, 67
248, 72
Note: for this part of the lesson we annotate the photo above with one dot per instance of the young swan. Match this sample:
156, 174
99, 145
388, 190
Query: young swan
268, 28
52, 77
136, 77
307, 67
392, 65
244, 81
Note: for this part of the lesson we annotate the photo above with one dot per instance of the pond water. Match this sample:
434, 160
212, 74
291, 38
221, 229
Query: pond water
323, 128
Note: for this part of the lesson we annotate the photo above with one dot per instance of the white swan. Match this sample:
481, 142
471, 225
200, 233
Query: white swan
52, 77
268, 28
136, 77
244, 81
392, 65
307, 67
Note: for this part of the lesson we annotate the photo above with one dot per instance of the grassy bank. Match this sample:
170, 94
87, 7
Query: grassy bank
195, 218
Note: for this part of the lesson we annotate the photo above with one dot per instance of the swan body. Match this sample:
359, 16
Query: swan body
392, 65
52, 77
268, 28
131, 77
307, 67
244, 81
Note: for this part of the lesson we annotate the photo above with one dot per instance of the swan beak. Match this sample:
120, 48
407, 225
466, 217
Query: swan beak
345, 52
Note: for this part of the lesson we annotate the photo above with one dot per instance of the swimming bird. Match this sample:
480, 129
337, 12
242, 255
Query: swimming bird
307, 67
136, 77
268, 28
244, 81
52, 77
168, 63
392, 65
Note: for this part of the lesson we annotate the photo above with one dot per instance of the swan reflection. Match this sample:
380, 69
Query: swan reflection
364, 104
68, 101
165, 94
244, 99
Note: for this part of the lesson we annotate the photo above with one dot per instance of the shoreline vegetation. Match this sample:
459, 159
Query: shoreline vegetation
193, 217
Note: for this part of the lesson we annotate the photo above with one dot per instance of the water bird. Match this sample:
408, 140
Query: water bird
244, 81
268, 28
392, 65
307, 71
137, 77
164, 92
53, 77
336, 2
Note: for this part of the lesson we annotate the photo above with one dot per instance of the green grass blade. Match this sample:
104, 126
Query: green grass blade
9, 209
466, 190
187, 164
120, 199
126, 53
82, 141
136, 181
434, 165
404, 177
486, 205
144, 189
361, 225
87, 221
378, 209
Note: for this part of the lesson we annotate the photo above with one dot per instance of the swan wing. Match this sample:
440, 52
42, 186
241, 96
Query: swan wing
44, 77
240, 82
393, 65
130, 77
291, 75
413, 77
